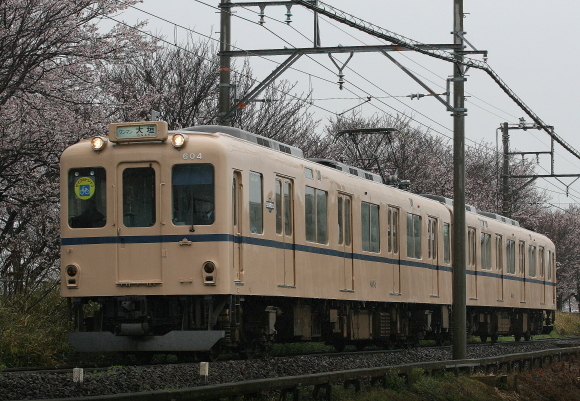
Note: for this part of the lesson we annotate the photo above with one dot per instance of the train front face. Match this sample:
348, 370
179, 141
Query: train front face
144, 239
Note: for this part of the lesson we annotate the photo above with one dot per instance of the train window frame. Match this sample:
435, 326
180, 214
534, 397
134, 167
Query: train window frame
186, 182
485, 242
370, 227
316, 215
256, 202
550, 264
414, 235
532, 261
447, 243
87, 210
510, 256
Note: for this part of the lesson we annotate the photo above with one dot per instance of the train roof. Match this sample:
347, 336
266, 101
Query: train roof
248, 136
349, 169
472, 209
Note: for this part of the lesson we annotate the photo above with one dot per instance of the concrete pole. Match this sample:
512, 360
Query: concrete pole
505, 137
459, 257
225, 72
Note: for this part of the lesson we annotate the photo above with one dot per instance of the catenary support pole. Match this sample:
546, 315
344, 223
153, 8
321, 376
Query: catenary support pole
459, 259
505, 137
225, 72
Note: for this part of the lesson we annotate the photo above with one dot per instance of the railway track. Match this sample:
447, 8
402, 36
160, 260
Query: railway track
235, 373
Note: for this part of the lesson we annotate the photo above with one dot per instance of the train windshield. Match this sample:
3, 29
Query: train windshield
193, 194
87, 197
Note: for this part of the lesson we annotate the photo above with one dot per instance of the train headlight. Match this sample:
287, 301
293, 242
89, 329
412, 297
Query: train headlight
209, 273
98, 143
72, 270
178, 140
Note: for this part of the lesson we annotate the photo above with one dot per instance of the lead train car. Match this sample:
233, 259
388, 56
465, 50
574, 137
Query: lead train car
211, 238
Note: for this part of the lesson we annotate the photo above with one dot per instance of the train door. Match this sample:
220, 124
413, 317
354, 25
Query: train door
138, 223
522, 267
393, 248
499, 265
432, 255
285, 231
237, 203
345, 242
472, 261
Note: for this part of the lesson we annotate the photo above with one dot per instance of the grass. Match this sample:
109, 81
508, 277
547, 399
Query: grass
567, 324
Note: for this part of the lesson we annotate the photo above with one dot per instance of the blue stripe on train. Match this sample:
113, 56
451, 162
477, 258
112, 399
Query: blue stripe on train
153, 239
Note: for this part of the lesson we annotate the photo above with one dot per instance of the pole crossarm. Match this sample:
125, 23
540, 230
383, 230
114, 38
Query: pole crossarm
322, 50
416, 79
374, 30
262, 85
545, 176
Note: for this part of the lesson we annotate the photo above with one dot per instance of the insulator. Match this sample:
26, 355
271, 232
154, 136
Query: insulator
262, 15
288, 14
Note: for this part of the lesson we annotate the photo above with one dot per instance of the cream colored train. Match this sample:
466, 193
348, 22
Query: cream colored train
211, 238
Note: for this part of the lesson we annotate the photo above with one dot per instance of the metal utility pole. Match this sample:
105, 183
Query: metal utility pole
505, 136
459, 259
225, 72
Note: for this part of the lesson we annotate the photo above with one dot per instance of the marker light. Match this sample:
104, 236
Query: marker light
209, 267
178, 140
98, 143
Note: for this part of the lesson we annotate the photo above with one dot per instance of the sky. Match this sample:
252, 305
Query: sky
533, 45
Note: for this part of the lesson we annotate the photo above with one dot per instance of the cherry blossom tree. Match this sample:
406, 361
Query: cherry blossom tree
51, 53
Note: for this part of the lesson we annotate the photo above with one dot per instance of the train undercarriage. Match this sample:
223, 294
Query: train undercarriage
214, 324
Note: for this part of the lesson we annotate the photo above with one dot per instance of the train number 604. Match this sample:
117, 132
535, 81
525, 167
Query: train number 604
192, 156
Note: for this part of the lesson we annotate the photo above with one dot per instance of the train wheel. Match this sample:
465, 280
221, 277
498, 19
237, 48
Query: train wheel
360, 346
339, 346
483, 338
144, 358
527, 336
517, 337
494, 338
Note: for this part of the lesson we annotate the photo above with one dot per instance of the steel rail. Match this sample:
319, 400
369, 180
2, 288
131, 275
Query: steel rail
289, 385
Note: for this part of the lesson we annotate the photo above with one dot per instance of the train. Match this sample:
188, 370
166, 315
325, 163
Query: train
212, 239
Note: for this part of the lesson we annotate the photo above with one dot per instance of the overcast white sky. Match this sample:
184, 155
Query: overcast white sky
533, 45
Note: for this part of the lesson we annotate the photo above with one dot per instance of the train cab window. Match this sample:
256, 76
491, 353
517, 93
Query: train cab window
256, 203
485, 251
139, 197
413, 236
370, 227
315, 215
87, 197
192, 187
510, 252
446, 243
393, 230
532, 260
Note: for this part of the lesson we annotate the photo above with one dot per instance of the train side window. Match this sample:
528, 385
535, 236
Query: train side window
471, 246
522, 257
432, 238
542, 259
193, 192
510, 252
139, 197
393, 230
413, 236
549, 265
87, 200
278, 206
485, 251
256, 203
532, 260
340, 223
370, 227
288, 218
446, 243
315, 215
499, 252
